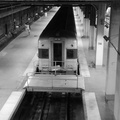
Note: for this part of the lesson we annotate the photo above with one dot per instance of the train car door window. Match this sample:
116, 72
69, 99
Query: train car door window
57, 53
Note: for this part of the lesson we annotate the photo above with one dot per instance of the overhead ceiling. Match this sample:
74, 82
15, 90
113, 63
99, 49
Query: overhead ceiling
54, 2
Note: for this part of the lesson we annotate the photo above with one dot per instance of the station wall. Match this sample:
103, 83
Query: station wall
14, 20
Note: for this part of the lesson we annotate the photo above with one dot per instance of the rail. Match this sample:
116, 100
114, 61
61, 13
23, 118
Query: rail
47, 106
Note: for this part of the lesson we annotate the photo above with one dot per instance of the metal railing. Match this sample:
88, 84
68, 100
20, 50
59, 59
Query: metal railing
52, 74
57, 67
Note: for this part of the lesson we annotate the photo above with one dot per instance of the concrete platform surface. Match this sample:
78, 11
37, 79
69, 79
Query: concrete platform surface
11, 105
15, 58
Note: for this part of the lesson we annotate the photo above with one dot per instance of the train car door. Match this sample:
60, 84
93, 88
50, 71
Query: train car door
57, 53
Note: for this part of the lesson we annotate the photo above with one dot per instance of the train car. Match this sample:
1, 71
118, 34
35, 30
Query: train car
57, 67
57, 44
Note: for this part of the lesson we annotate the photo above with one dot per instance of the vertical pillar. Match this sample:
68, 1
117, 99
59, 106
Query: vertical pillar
82, 22
86, 22
81, 16
92, 28
106, 32
112, 54
117, 89
88, 27
91, 43
100, 33
78, 11
114, 62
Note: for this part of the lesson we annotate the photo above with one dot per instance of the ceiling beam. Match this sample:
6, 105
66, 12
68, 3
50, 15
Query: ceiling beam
55, 2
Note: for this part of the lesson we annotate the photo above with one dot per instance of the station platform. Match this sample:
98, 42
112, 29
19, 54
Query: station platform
17, 56
15, 62
13, 104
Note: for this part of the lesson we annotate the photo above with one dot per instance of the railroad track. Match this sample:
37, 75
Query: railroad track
50, 106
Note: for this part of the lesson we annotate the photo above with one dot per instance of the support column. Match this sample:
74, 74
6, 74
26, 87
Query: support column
81, 16
112, 54
78, 11
100, 33
88, 27
82, 23
85, 26
117, 89
92, 28
106, 33
86, 23
114, 59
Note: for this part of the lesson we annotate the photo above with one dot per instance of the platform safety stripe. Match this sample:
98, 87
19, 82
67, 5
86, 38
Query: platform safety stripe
81, 55
91, 106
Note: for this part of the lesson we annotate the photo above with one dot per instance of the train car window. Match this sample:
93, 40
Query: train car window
71, 53
43, 53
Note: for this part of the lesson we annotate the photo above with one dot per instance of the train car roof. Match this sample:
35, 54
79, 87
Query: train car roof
61, 25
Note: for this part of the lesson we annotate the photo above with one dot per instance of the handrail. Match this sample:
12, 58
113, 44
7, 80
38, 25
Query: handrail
56, 63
